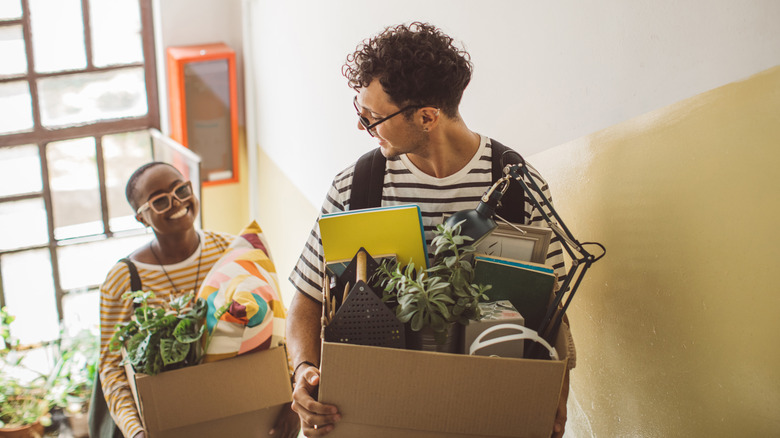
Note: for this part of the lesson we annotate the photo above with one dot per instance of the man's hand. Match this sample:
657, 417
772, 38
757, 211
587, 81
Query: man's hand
560, 417
317, 419
287, 424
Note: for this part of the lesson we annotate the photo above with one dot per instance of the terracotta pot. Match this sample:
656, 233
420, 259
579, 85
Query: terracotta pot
78, 424
34, 430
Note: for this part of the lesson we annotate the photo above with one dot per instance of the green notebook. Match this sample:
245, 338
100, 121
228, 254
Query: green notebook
528, 286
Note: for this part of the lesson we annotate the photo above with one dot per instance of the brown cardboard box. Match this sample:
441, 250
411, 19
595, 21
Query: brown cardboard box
384, 393
237, 397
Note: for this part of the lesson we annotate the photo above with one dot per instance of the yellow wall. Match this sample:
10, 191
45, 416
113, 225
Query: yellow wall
226, 206
676, 328
286, 217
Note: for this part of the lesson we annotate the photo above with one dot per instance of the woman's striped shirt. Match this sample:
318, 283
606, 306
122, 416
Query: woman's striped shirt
114, 310
406, 184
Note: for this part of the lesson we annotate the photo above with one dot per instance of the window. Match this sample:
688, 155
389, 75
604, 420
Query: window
78, 96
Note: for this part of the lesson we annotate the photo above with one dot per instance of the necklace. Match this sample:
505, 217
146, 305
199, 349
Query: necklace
197, 273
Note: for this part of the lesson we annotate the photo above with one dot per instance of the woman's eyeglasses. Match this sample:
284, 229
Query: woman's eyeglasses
370, 126
163, 202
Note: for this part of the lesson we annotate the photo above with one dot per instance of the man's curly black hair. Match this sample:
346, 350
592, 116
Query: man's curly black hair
416, 64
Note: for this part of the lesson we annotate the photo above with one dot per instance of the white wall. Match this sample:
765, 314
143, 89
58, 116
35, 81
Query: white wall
545, 72
189, 22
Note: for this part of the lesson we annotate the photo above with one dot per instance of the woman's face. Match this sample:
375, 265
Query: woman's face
180, 216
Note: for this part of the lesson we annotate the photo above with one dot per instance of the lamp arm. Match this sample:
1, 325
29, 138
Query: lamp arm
516, 172
581, 258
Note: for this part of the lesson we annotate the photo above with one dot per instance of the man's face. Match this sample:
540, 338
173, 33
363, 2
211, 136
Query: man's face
397, 135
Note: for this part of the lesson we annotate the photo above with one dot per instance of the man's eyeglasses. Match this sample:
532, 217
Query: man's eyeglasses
163, 202
370, 126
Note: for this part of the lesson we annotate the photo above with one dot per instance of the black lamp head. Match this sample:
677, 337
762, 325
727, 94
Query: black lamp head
479, 222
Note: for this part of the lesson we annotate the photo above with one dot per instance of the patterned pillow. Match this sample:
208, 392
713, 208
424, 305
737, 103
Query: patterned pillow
243, 281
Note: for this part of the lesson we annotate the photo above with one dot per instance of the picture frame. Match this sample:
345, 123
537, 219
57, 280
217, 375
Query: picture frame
506, 241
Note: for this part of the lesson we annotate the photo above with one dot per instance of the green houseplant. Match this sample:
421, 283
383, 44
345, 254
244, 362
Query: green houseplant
24, 406
161, 339
440, 296
74, 377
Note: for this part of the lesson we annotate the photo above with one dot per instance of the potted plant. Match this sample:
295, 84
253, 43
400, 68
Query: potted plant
73, 379
158, 339
433, 300
24, 407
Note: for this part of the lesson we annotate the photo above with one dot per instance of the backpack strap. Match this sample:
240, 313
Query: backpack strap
370, 175
135, 280
512, 205
99, 420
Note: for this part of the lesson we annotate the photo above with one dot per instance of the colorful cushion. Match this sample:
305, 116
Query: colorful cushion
244, 283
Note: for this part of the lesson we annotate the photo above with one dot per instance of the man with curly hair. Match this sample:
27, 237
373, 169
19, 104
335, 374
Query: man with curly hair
409, 81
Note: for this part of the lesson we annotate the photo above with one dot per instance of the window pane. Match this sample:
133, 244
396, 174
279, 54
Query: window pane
89, 97
62, 49
116, 32
81, 311
75, 195
29, 295
16, 110
20, 170
122, 154
10, 10
12, 51
86, 264
24, 224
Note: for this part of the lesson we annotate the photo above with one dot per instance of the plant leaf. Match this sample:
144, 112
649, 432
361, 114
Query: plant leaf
173, 351
187, 331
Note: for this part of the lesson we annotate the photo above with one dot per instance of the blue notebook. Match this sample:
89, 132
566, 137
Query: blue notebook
529, 286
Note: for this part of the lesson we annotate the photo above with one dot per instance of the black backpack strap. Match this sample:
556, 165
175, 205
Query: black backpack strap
512, 205
369, 175
99, 420
368, 181
135, 280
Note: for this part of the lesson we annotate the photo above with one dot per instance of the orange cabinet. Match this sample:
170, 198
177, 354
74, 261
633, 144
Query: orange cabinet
204, 107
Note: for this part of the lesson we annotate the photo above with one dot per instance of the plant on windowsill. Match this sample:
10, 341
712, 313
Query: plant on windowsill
74, 377
436, 298
23, 393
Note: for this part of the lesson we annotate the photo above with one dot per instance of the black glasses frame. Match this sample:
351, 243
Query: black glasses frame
369, 126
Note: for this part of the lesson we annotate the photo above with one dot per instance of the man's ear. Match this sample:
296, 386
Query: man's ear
429, 117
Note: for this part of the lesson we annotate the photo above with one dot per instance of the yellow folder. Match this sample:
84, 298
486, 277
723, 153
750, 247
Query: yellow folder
385, 230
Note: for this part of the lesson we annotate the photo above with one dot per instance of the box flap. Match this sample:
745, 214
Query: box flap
444, 394
215, 390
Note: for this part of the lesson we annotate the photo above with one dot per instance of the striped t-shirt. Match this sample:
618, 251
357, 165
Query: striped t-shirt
406, 184
114, 310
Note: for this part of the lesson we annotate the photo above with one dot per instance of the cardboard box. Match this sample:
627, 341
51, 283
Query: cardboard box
237, 397
384, 393
495, 313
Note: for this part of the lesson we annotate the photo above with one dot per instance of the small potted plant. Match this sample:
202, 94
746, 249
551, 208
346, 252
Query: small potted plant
433, 300
24, 407
158, 339
74, 377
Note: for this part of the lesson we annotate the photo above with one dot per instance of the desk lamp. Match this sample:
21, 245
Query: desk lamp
478, 223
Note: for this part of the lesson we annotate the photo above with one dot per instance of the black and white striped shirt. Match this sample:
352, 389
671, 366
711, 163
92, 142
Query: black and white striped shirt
406, 184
